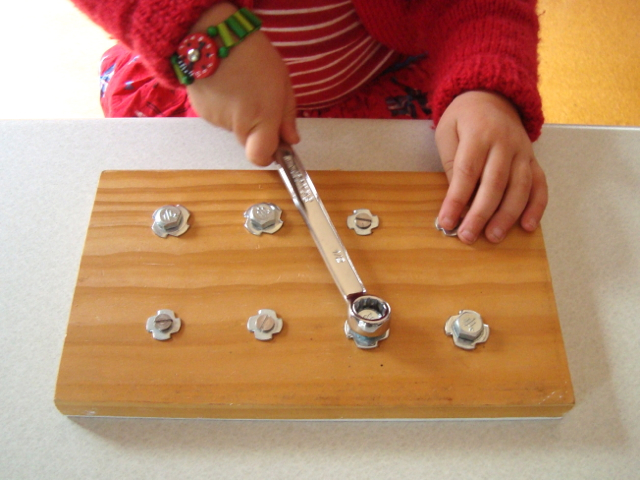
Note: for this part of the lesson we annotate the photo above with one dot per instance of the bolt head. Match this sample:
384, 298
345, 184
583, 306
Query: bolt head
468, 325
467, 329
363, 221
168, 217
163, 324
263, 218
262, 215
265, 324
170, 220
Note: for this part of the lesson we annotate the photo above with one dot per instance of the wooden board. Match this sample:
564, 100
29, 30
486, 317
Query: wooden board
217, 275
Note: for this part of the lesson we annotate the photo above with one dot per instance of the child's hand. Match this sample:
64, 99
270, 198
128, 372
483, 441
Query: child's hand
250, 93
484, 146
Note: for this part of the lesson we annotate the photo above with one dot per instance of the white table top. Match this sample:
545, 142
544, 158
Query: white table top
49, 173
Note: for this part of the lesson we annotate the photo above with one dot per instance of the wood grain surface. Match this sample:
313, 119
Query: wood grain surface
217, 275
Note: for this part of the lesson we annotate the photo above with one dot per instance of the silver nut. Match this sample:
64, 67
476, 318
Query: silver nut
265, 324
263, 218
170, 220
163, 324
467, 329
363, 221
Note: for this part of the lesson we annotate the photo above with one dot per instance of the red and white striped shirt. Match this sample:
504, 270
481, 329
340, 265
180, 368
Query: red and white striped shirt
328, 51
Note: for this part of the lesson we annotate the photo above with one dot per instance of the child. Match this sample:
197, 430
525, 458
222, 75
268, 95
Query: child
476, 59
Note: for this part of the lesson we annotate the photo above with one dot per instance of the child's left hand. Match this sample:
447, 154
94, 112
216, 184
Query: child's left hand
485, 150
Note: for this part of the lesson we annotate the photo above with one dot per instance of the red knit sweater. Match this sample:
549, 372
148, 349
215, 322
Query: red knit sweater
472, 44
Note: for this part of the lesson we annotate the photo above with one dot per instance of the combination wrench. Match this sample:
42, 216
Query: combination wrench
368, 316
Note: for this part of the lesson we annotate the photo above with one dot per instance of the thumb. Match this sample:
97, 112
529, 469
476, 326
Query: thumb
261, 144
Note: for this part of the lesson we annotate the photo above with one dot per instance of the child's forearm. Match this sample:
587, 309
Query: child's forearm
491, 46
154, 28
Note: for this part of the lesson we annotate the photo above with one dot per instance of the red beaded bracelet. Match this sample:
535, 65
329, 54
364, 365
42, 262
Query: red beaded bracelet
198, 55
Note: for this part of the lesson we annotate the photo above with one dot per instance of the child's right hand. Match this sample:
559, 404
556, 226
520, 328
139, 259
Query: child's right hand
490, 164
250, 94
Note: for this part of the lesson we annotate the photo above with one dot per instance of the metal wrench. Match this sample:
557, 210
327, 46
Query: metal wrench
368, 316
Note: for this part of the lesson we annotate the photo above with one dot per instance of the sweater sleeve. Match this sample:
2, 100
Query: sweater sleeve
488, 45
151, 28
472, 45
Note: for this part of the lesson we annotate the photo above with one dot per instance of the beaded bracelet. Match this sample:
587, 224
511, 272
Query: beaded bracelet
198, 55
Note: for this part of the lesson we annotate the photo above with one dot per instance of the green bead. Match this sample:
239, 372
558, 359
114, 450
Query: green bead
212, 31
243, 21
183, 78
235, 26
225, 35
248, 14
223, 52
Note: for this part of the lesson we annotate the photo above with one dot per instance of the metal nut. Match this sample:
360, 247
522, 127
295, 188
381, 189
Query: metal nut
263, 218
265, 324
163, 324
170, 220
362, 221
467, 329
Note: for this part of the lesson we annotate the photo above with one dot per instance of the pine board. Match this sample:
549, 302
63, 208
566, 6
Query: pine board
217, 275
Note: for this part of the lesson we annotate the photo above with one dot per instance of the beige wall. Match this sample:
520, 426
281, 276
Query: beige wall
50, 62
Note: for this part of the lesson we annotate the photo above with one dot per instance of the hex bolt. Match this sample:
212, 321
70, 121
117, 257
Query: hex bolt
168, 217
263, 218
362, 221
170, 220
163, 324
467, 329
468, 326
265, 324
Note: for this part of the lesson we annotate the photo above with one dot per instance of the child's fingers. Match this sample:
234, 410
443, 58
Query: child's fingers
538, 198
467, 168
447, 143
288, 129
514, 201
491, 191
